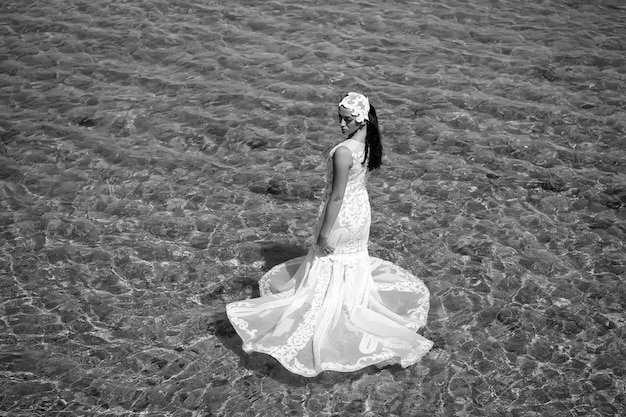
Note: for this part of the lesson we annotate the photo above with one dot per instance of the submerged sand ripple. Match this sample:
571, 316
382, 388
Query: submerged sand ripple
156, 157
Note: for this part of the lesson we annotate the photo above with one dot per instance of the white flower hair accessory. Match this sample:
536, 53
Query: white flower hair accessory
358, 105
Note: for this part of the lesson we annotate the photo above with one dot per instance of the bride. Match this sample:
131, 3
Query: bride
337, 308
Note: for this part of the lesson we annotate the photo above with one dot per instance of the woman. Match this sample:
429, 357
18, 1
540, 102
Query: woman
339, 308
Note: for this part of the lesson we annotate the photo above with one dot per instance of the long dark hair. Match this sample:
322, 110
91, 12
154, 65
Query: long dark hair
373, 145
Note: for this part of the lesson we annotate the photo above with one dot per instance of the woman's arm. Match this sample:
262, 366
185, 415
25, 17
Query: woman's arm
342, 161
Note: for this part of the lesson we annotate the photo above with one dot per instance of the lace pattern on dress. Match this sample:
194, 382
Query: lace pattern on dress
305, 329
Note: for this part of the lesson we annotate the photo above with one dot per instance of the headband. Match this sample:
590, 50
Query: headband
358, 105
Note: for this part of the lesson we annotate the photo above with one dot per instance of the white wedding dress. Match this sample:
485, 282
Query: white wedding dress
340, 312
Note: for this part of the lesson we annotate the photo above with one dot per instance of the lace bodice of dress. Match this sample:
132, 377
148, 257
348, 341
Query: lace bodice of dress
350, 231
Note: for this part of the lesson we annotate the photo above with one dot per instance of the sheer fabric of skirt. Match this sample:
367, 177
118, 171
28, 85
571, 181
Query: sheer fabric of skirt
348, 312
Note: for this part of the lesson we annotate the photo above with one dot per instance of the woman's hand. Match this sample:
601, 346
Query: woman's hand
323, 246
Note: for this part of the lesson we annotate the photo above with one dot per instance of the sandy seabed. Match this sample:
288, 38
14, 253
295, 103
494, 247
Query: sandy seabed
156, 157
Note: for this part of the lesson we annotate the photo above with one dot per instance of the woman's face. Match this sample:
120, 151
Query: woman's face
347, 122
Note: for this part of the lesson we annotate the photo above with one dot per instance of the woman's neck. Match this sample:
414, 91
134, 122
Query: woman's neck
359, 135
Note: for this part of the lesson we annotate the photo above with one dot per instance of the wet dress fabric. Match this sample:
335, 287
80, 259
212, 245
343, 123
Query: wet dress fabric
339, 312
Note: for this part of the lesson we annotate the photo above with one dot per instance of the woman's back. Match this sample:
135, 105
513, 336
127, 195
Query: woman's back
358, 174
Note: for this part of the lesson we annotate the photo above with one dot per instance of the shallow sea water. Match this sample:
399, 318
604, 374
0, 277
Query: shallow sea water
158, 156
